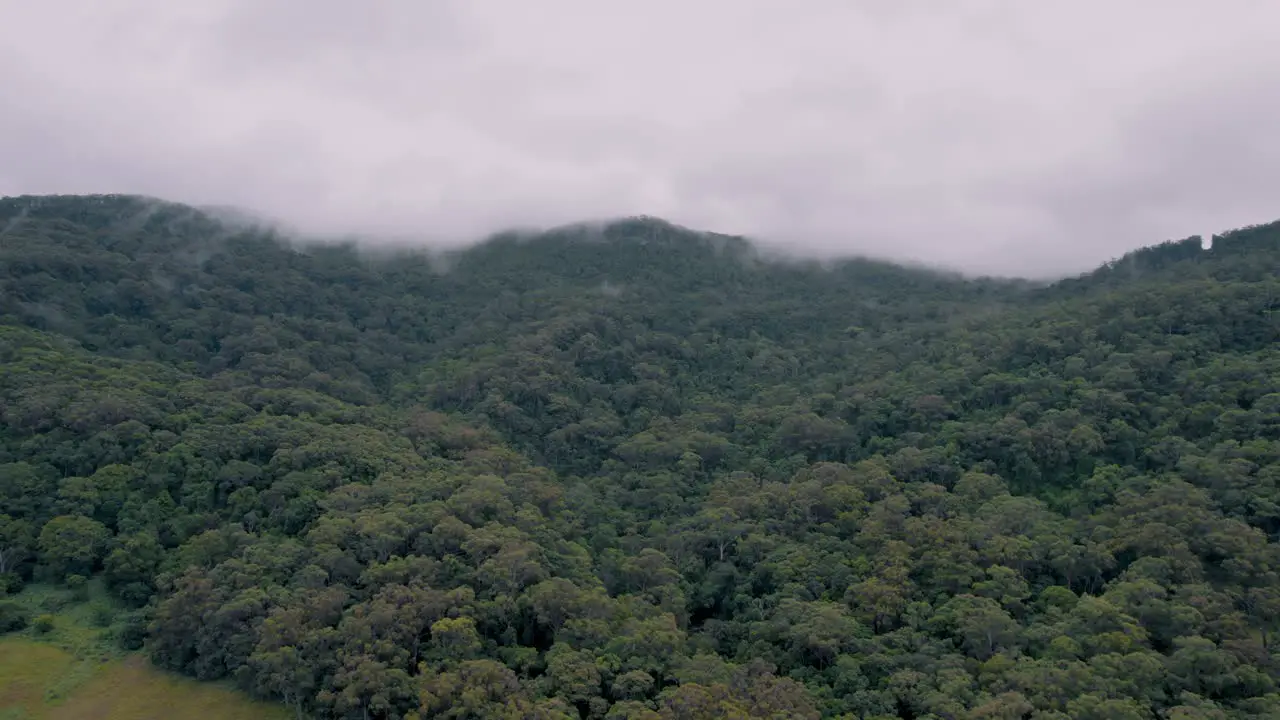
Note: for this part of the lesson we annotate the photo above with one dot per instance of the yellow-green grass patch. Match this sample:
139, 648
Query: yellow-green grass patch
39, 681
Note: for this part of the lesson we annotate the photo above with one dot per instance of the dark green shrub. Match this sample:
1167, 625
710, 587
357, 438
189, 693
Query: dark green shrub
102, 615
11, 584
13, 617
79, 587
132, 633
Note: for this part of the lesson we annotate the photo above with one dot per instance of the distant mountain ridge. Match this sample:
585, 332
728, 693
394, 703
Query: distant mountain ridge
125, 208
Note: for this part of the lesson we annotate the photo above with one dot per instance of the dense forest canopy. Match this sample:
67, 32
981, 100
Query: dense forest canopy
639, 472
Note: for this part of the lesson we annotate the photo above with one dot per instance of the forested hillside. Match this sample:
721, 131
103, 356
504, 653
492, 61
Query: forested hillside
638, 472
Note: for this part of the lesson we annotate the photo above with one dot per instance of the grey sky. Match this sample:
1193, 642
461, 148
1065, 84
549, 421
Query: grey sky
1014, 136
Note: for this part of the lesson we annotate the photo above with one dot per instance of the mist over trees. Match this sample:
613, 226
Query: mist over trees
644, 473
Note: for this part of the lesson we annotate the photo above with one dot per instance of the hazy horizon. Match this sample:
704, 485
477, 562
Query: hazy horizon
764, 248
981, 136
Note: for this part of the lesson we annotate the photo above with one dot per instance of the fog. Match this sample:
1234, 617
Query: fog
1003, 137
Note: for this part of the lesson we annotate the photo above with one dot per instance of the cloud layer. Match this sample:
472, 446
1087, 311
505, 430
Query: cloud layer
990, 135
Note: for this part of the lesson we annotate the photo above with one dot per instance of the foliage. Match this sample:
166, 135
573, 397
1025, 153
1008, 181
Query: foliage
13, 616
639, 472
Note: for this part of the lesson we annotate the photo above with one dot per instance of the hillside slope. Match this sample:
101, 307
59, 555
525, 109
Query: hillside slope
635, 471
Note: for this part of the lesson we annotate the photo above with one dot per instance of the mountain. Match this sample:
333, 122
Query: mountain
631, 470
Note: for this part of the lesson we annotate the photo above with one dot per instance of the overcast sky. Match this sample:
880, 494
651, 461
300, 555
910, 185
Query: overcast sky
1015, 136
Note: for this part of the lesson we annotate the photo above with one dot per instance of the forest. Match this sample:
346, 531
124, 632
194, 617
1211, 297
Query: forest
638, 472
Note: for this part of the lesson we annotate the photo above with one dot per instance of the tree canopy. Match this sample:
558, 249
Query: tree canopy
633, 471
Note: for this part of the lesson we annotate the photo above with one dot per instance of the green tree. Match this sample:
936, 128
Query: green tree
72, 545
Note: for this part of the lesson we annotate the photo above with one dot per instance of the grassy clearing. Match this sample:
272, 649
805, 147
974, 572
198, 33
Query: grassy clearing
131, 689
75, 671
27, 669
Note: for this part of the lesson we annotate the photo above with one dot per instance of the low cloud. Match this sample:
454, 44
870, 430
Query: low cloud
991, 136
